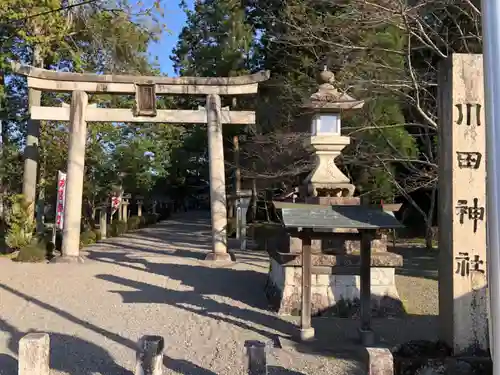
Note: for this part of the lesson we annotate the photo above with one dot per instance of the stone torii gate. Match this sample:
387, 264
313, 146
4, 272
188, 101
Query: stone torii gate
145, 89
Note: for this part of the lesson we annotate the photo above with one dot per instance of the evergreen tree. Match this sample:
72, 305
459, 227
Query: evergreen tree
216, 41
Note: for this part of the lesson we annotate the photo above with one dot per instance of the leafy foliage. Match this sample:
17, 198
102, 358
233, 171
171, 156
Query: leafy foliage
20, 225
32, 253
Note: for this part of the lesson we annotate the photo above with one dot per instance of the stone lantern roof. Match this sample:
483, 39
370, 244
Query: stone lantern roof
328, 98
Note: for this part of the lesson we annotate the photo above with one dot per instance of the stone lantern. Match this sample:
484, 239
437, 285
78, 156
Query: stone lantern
327, 185
326, 106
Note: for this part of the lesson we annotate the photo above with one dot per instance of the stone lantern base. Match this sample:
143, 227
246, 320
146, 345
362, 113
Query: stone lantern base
333, 294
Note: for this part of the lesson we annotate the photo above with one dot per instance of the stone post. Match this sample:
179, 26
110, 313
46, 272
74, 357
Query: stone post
237, 217
463, 305
233, 210
125, 210
149, 356
103, 223
244, 198
256, 354
34, 351
74, 179
217, 180
139, 208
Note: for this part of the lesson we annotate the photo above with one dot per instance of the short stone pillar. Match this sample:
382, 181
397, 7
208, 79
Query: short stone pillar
243, 203
256, 352
218, 203
124, 208
103, 222
379, 361
149, 356
139, 202
463, 302
74, 179
34, 352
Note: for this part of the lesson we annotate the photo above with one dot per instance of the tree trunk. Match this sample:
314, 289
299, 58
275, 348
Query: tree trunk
35, 99
3, 154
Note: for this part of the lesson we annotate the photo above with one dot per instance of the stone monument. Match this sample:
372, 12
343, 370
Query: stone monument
327, 185
463, 305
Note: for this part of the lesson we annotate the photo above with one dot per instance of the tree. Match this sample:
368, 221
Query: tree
217, 41
91, 36
391, 51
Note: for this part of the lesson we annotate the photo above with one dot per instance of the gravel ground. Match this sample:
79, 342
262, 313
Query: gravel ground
155, 281
417, 281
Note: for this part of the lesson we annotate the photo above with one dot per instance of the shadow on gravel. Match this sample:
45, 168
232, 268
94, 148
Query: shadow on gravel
71, 354
197, 303
68, 354
8, 365
275, 370
418, 261
239, 285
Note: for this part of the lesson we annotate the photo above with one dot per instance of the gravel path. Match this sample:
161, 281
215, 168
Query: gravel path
417, 281
153, 281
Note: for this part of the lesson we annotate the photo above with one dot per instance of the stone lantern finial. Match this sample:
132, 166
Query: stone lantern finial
327, 104
328, 98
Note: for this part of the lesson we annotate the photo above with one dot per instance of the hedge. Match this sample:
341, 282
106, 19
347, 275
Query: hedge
42, 247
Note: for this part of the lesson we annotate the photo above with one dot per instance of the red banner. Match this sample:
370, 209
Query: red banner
61, 199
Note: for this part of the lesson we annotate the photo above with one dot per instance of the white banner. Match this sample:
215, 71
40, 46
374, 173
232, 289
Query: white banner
61, 199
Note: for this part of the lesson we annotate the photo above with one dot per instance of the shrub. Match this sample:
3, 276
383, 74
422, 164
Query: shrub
87, 237
134, 222
142, 221
151, 219
117, 228
33, 253
20, 222
98, 235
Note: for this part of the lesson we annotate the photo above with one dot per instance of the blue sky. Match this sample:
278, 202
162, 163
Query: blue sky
175, 20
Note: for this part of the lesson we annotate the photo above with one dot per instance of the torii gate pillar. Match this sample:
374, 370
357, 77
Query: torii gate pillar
74, 179
218, 205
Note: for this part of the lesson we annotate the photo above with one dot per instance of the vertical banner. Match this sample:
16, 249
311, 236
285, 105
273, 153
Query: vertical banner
61, 199
116, 201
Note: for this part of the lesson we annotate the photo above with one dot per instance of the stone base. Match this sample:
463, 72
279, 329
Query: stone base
68, 259
307, 334
331, 294
220, 257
